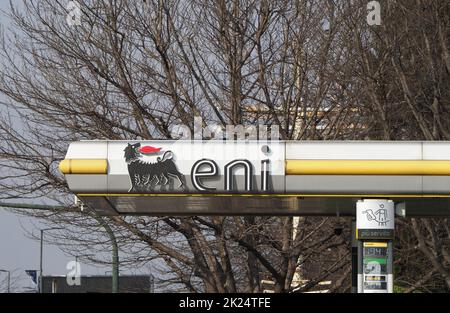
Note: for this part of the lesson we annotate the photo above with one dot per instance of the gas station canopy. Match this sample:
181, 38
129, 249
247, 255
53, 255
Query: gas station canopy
164, 177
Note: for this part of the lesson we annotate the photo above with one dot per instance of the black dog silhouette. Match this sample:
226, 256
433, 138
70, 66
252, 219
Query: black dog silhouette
142, 173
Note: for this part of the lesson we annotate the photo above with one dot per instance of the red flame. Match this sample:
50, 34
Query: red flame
149, 149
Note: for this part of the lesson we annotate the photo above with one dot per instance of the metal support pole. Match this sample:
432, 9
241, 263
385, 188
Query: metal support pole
359, 269
41, 283
115, 266
354, 258
40, 262
390, 267
115, 251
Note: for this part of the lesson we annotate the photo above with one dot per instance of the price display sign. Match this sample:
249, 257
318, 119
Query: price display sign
375, 271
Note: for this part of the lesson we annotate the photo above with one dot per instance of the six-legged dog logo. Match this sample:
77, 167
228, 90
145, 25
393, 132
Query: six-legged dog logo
145, 176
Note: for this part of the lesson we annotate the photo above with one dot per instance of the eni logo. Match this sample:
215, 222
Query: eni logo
208, 168
161, 171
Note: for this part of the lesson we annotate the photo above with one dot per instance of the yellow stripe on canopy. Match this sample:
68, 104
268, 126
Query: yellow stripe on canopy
367, 167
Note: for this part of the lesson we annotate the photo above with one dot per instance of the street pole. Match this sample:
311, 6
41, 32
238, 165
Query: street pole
115, 278
41, 257
40, 262
115, 251
115, 258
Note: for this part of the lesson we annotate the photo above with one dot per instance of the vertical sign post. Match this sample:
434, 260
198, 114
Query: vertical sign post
375, 231
354, 258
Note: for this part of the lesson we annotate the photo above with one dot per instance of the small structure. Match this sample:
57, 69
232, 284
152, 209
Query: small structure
99, 284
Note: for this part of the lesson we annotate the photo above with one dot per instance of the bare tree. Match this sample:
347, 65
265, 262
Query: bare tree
132, 70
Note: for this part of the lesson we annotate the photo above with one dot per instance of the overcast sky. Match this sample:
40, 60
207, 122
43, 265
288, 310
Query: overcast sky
19, 253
